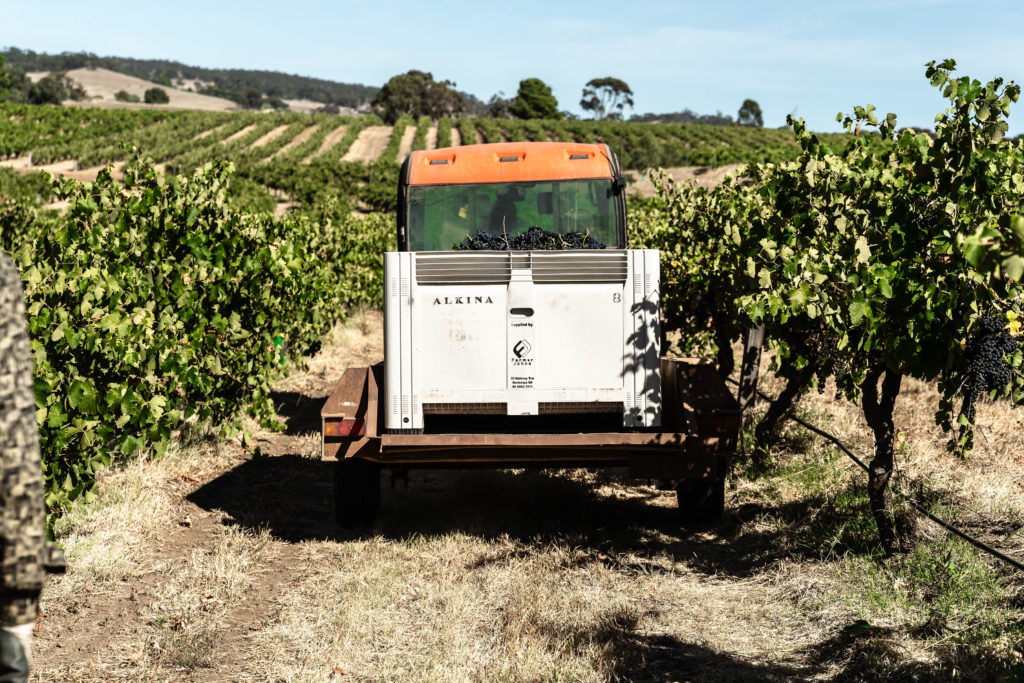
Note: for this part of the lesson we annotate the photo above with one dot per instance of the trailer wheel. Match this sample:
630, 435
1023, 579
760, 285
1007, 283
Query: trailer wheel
356, 492
701, 500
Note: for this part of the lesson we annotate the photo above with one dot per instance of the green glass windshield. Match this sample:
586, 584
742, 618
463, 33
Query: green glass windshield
441, 216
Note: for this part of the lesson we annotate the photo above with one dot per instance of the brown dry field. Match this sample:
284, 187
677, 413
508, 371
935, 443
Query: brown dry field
102, 84
270, 137
701, 176
306, 134
330, 140
222, 563
405, 144
240, 133
369, 145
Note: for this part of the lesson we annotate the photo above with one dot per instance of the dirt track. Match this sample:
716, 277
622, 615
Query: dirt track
405, 145
222, 563
295, 142
269, 137
329, 141
701, 176
369, 145
241, 133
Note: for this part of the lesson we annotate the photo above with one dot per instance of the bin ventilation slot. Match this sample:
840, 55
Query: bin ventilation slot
436, 162
509, 159
591, 266
478, 269
554, 408
465, 408
574, 157
441, 268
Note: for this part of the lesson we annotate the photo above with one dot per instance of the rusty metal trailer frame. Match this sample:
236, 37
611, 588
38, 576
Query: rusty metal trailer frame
701, 421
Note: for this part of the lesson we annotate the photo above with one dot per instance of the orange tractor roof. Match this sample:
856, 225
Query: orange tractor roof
509, 162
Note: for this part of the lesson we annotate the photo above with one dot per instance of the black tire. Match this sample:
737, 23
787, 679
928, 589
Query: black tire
356, 492
701, 501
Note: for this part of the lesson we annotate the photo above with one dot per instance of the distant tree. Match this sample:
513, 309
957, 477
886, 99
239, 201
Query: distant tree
277, 103
49, 89
535, 101
160, 79
750, 114
234, 81
329, 109
19, 86
499, 106
156, 96
685, 116
75, 91
125, 96
5, 79
250, 98
606, 97
416, 94
473, 105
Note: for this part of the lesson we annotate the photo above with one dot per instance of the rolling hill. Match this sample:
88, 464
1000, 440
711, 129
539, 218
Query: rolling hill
227, 83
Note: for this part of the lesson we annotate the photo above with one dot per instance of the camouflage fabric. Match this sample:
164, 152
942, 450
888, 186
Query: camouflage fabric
24, 551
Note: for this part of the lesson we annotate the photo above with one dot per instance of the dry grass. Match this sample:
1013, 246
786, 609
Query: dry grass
405, 145
267, 138
369, 145
102, 84
218, 563
295, 141
330, 140
700, 176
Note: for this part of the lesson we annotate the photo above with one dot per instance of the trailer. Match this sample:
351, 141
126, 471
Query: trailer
522, 330
690, 452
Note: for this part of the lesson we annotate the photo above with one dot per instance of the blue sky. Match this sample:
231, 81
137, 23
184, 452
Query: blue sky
812, 58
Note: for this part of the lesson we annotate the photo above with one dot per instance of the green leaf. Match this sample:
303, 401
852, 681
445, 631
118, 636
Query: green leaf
798, 297
1013, 266
859, 310
862, 249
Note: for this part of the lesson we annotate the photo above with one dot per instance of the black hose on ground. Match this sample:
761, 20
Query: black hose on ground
980, 545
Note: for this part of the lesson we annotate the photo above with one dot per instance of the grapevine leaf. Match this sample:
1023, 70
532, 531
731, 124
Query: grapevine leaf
863, 251
1013, 266
859, 310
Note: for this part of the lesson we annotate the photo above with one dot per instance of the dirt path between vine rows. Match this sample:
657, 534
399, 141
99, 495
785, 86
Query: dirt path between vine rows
240, 133
456, 136
431, 142
269, 137
405, 144
701, 176
329, 141
369, 145
222, 563
209, 131
294, 142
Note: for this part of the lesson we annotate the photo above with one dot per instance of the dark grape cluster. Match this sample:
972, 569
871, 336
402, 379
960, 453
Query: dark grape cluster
535, 238
985, 367
821, 349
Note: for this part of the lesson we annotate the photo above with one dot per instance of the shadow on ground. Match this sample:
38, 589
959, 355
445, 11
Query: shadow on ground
630, 529
291, 496
300, 412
